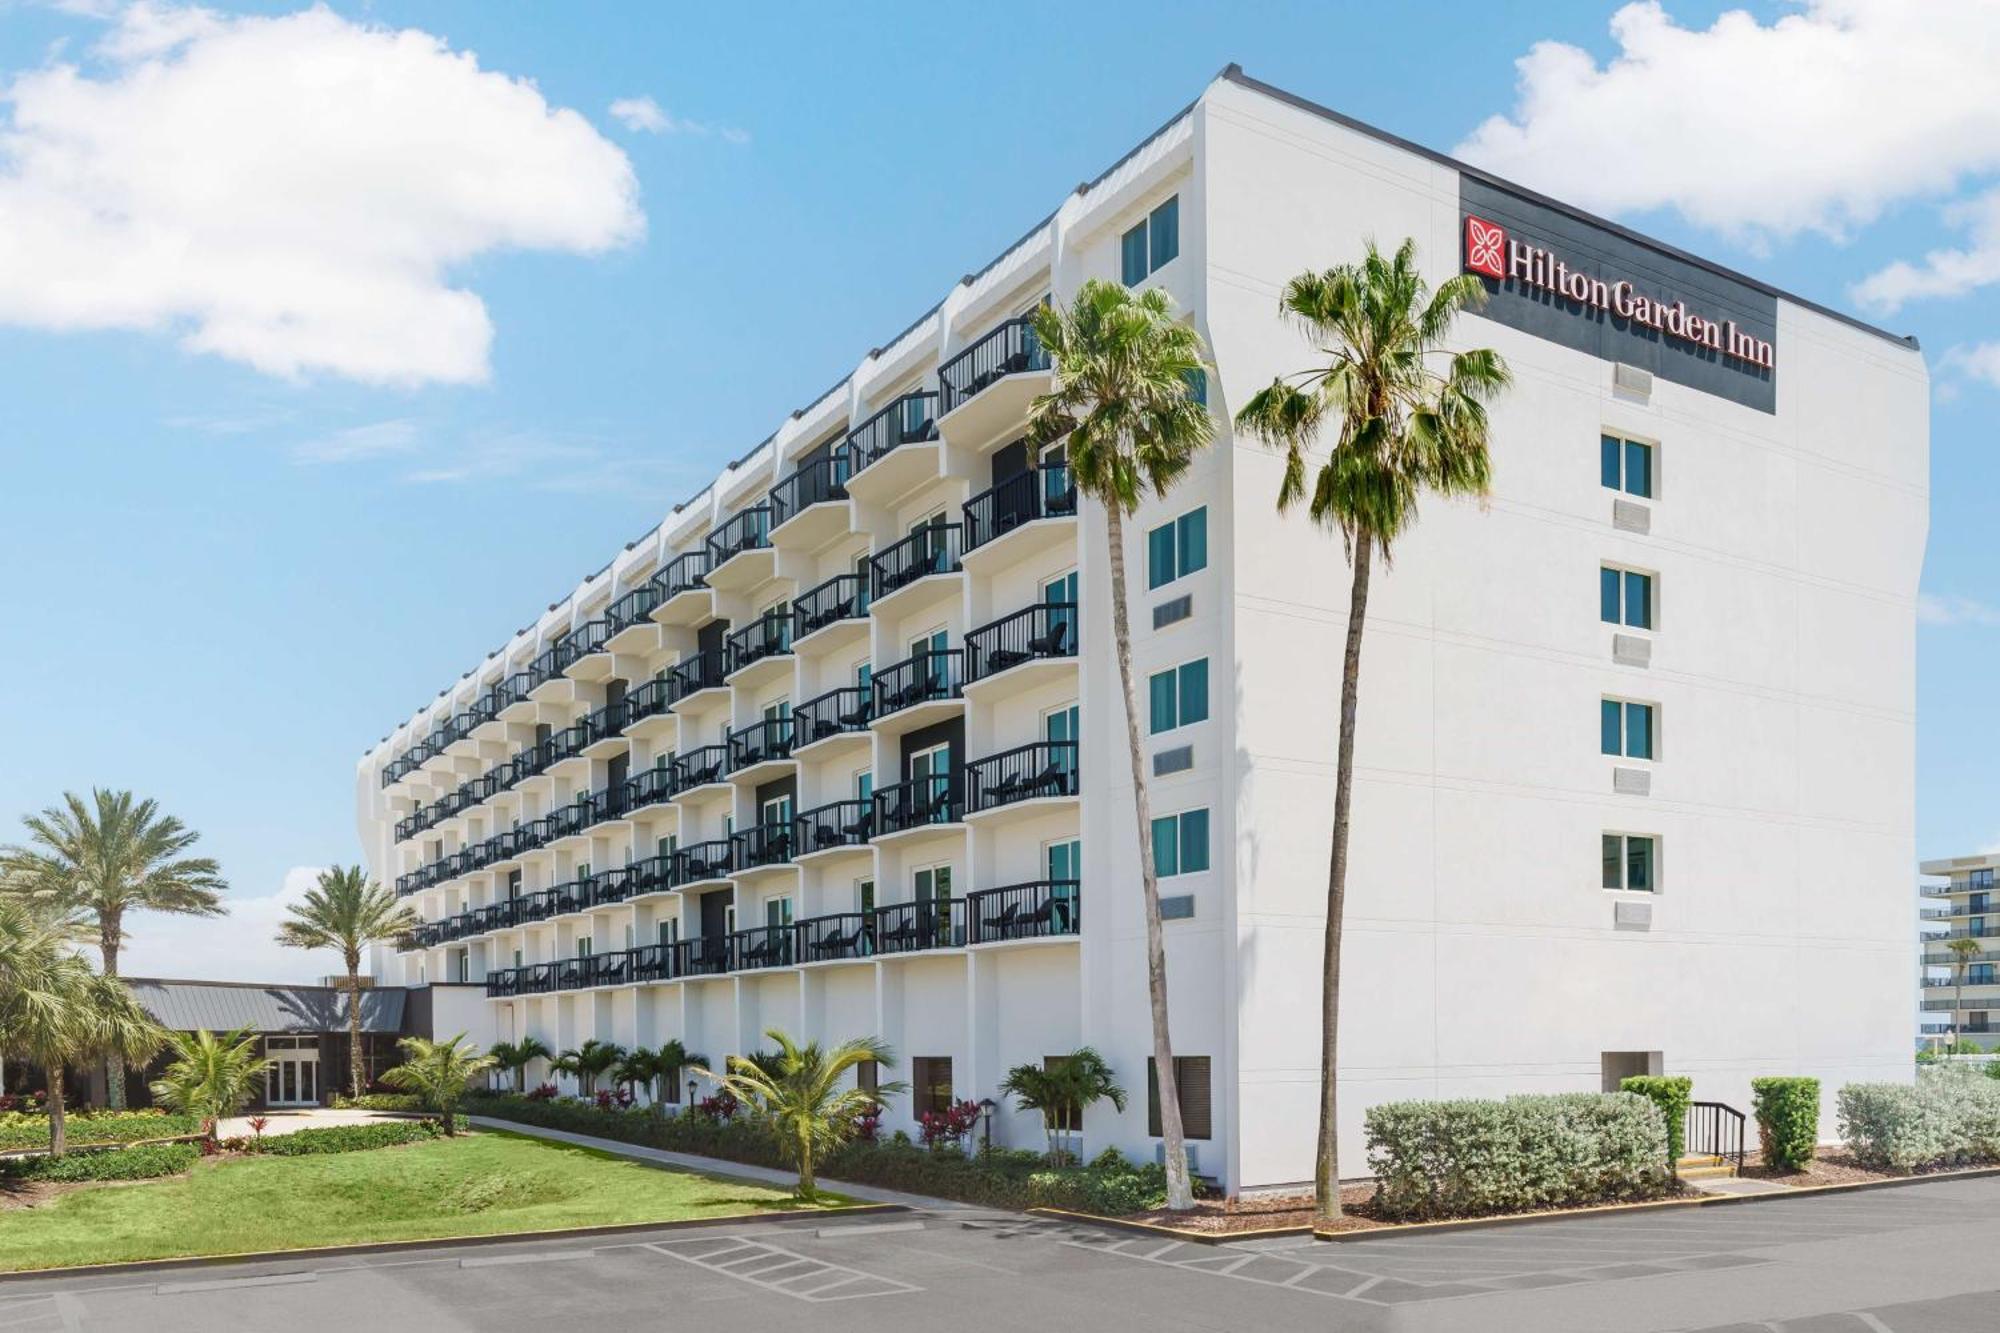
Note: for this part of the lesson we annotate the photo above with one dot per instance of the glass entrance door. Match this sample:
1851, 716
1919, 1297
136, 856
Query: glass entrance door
292, 1078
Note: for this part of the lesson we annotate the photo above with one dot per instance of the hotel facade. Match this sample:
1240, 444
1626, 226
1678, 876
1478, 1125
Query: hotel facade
838, 748
1961, 984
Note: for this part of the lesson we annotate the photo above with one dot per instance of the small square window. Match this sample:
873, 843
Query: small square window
1629, 863
1625, 597
1180, 843
1179, 696
1626, 729
1177, 548
1132, 254
1626, 465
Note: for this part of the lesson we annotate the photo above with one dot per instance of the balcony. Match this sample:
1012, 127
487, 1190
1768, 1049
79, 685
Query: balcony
915, 927
746, 537
703, 766
590, 641
839, 712
649, 699
895, 450
1038, 772
761, 947
920, 689
765, 847
703, 671
896, 571
650, 786
1043, 909
682, 587
841, 937
704, 862
810, 506
840, 601
837, 826
1027, 513
756, 751
917, 804
604, 731
758, 650
988, 388
1037, 641
1951, 983
630, 617
549, 669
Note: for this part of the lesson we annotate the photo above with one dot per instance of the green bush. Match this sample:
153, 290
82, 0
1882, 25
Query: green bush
30, 1129
1671, 1093
341, 1138
145, 1162
1787, 1111
1948, 1117
380, 1101
1469, 1158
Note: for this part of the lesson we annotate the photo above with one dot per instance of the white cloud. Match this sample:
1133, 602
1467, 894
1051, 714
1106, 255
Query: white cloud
292, 193
1943, 273
1977, 361
242, 946
358, 442
1817, 121
1941, 609
642, 115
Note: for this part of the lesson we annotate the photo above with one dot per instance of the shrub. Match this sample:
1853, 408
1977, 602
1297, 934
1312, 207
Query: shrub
30, 1129
1949, 1116
145, 1162
1467, 1158
1787, 1111
342, 1138
1671, 1093
380, 1101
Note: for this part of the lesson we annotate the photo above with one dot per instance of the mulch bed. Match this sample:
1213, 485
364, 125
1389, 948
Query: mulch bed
1219, 1217
1836, 1168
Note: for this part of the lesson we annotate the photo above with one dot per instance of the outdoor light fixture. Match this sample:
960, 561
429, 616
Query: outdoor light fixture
987, 1106
692, 1085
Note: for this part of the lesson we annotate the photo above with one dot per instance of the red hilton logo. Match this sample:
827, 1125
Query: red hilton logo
1485, 248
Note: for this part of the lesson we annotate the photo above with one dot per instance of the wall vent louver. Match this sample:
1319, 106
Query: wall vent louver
1167, 613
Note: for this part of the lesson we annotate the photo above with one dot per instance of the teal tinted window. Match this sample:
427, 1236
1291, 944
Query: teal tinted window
1611, 725
1166, 225
1191, 530
1638, 731
1607, 596
1625, 598
1611, 462
1166, 847
1180, 843
1638, 600
1179, 696
1160, 556
1194, 841
1194, 691
1165, 705
1197, 382
1133, 255
1177, 548
1638, 468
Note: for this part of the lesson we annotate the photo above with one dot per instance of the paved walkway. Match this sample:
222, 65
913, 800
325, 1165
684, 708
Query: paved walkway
290, 1122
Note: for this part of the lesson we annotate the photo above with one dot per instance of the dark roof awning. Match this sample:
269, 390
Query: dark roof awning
220, 1006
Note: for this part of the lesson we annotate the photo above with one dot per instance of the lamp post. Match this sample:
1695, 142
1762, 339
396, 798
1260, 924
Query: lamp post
692, 1085
987, 1106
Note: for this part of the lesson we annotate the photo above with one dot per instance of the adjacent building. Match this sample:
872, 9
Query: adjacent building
838, 747
1961, 983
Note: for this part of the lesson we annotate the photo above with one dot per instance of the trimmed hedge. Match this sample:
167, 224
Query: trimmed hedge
1787, 1111
1470, 1158
30, 1129
341, 1138
1948, 1117
1671, 1093
1001, 1177
380, 1101
145, 1162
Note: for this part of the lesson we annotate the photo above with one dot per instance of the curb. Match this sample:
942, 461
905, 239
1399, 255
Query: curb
443, 1242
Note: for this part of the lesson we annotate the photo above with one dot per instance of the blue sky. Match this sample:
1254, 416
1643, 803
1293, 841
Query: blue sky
237, 554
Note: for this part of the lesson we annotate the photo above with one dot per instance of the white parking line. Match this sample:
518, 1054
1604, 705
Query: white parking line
752, 1262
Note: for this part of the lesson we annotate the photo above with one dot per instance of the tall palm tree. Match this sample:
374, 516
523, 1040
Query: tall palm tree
1121, 367
56, 1011
439, 1072
589, 1062
1963, 951
638, 1067
347, 911
1062, 1089
801, 1095
1399, 415
210, 1077
108, 856
515, 1056
673, 1058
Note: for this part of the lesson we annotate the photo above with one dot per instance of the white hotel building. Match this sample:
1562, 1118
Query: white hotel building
838, 747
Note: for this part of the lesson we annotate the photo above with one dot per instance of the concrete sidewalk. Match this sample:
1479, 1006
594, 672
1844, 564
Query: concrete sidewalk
715, 1166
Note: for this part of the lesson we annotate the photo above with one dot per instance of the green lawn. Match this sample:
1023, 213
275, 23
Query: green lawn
474, 1185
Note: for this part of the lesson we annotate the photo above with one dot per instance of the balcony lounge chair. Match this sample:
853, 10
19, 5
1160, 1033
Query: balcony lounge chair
904, 935
838, 946
1001, 924
1049, 643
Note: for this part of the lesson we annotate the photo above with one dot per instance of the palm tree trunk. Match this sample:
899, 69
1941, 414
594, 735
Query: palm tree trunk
109, 935
1180, 1194
354, 1059
807, 1186
58, 1128
1326, 1168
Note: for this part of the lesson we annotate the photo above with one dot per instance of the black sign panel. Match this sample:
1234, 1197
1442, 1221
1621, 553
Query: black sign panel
1735, 361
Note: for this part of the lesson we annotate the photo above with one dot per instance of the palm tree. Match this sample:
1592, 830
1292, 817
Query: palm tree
673, 1058
106, 857
1122, 368
637, 1067
589, 1062
439, 1072
1963, 951
56, 1011
1404, 416
210, 1077
1062, 1088
347, 911
800, 1095
516, 1056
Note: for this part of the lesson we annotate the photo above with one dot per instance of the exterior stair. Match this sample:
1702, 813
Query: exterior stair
1704, 1168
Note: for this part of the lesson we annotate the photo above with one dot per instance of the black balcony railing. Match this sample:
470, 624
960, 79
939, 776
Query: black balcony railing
913, 804
763, 846
1024, 911
699, 862
591, 636
1007, 350
838, 711
703, 956
1024, 773
931, 549
920, 678
650, 786
838, 824
825, 939
700, 766
703, 671
1043, 630
814, 482
913, 927
633, 608
769, 635
1041, 492
910, 419
684, 573
763, 946
555, 659
749, 530
648, 699
606, 723
760, 742
842, 597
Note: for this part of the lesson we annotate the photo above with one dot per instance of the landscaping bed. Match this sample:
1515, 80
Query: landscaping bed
29, 1130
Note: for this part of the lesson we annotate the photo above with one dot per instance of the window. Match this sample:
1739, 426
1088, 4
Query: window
864, 893
777, 813
1625, 597
1629, 863
1197, 382
1177, 548
1191, 1082
930, 1084
1180, 843
1626, 465
1627, 729
1152, 244
670, 931
1180, 696
583, 946
867, 1076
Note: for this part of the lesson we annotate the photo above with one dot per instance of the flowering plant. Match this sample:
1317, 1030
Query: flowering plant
868, 1125
949, 1126
544, 1092
719, 1108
